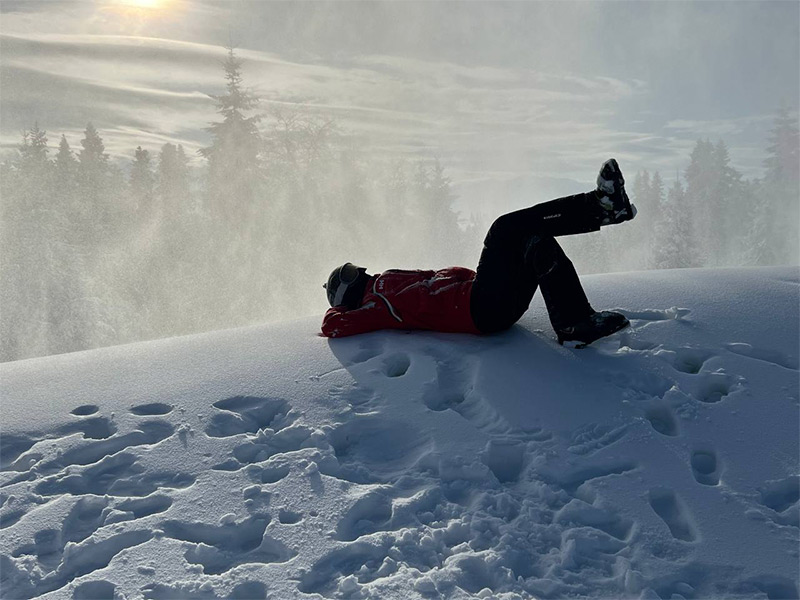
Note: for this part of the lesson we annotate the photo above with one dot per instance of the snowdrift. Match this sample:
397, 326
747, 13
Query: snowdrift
661, 462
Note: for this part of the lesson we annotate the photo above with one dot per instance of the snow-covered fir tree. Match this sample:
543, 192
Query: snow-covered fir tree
142, 183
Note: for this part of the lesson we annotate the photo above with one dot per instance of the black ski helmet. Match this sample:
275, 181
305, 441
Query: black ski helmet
345, 285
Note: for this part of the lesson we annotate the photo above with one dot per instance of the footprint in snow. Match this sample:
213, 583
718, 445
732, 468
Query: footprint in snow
161, 591
289, 517
505, 459
270, 472
146, 434
781, 496
706, 466
571, 479
396, 364
11, 517
220, 548
770, 356
453, 389
249, 590
686, 359
370, 448
84, 410
369, 514
367, 350
582, 514
671, 509
95, 590
12, 447
114, 475
96, 428
593, 437
86, 553
662, 418
452, 384
247, 414
152, 409
774, 586
16, 449
268, 443
359, 398
363, 558
714, 387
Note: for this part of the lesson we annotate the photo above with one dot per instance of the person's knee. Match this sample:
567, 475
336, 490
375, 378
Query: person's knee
500, 228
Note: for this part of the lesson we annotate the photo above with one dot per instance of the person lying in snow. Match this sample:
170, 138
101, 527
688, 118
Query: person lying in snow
519, 254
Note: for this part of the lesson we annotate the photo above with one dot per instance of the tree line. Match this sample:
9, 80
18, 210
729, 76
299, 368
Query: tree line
94, 255
708, 215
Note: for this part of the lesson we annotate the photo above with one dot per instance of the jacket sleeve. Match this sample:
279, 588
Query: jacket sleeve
339, 322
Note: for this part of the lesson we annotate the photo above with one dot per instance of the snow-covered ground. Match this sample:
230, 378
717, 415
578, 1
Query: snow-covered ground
661, 462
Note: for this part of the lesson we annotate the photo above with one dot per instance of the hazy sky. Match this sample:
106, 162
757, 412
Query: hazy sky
522, 99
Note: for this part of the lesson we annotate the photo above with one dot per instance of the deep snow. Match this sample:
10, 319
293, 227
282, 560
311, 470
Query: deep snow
661, 462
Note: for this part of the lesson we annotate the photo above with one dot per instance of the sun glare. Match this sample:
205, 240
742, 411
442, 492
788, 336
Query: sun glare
141, 3
141, 9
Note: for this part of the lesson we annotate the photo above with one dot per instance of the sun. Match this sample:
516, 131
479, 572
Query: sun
140, 9
141, 3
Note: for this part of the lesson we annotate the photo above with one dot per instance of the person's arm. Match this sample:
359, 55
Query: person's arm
340, 322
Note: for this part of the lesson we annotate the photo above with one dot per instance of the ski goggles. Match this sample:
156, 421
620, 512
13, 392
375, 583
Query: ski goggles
340, 281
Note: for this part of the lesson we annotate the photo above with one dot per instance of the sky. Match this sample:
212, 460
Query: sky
520, 101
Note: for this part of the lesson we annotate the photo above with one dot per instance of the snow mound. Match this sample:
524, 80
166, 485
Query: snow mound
661, 462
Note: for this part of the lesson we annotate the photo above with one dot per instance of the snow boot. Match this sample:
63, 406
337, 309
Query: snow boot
613, 201
597, 325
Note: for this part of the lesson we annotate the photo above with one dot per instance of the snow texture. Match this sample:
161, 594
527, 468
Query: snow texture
269, 462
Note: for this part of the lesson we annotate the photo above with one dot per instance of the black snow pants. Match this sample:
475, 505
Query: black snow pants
520, 253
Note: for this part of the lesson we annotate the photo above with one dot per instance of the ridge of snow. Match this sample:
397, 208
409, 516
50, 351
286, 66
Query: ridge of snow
660, 462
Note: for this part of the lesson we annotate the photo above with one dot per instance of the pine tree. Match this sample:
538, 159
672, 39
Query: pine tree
655, 218
728, 204
444, 234
393, 204
418, 215
33, 160
142, 183
66, 165
93, 158
628, 245
69, 326
780, 190
233, 156
103, 220
783, 160
674, 247
94, 189
27, 248
235, 203
700, 185
684, 226
172, 182
759, 243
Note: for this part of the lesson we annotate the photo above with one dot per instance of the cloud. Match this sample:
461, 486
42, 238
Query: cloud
400, 106
483, 121
27, 6
717, 127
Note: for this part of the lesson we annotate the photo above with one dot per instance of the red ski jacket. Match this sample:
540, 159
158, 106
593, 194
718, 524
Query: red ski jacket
399, 299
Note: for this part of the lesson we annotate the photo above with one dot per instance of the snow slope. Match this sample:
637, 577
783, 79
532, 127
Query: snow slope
661, 462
